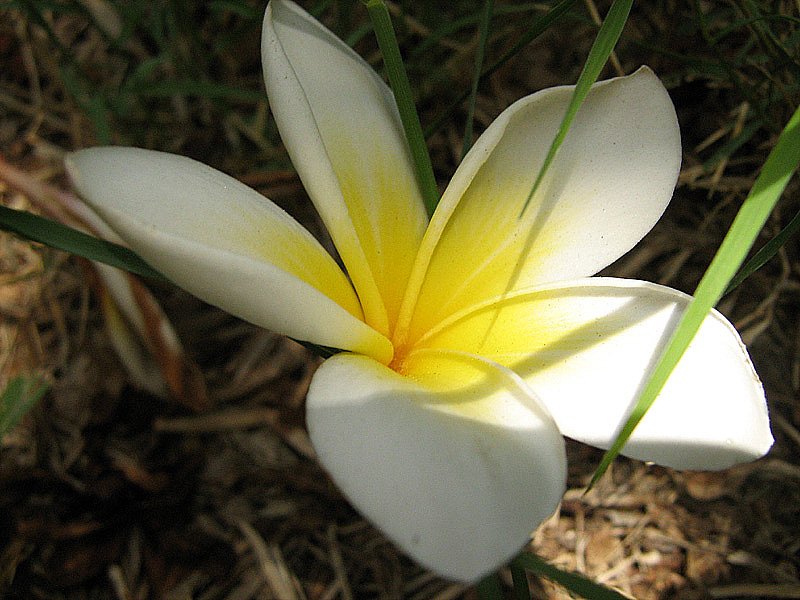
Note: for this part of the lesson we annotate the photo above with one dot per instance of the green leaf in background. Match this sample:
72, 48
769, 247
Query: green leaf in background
489, 588
483, 36
539, 26
398, 79
732, 145
519, 580
575, 583
598, 56
781, 163
18, 398
61, 237
766, 252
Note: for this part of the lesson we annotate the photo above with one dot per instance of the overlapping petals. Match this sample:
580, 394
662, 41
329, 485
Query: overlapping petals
226, 244
473, 342
341, 127
587, 348
608, 185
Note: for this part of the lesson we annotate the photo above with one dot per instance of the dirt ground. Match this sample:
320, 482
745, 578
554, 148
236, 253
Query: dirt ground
213, 492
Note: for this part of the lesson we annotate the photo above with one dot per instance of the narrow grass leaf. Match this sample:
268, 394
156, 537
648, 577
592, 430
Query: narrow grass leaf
734, 27
519, 580
732, 145
483, 36
90, 100
775, 174
142, 72
603, 45
54, 234
405, 101
98, 114
769, 40
447, 28
489, 588
20, 395
573, 582
61, 237
539, 26
760, 258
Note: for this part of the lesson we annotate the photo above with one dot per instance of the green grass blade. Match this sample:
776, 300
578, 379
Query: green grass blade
601, 49
483, 36
519, 580
61, 237
575, 583
760, 258
405, 101
489, 588
445, 29
778, 168
732, 145
18, 398
541, 25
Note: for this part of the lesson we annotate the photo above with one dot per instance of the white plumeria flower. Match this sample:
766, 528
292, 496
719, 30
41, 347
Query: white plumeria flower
472, 342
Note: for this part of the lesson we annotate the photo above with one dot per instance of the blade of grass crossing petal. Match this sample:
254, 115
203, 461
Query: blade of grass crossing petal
541, 25
54, 234
61, 237
405, 101
519, 581
775, 174
760, 258
573, 582
601, 49
483, 35
489, 588
18, 398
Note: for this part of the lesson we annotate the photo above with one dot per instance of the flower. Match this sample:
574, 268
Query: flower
473, 342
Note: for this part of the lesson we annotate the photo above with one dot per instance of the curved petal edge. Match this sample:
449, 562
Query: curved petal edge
454, 463
586, 347
225, 243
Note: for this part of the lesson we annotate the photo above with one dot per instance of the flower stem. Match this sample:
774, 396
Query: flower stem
405, 101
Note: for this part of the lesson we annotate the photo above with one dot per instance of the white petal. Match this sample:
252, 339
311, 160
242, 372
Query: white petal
225, 243
341, 127
456, 463
608, 185
586, 348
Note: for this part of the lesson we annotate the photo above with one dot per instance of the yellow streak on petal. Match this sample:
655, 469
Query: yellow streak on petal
473, 387
607, 186
286, 244
533, 330
384, 205
482, 253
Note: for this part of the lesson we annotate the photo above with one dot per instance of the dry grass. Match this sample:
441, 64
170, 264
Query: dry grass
109, 492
